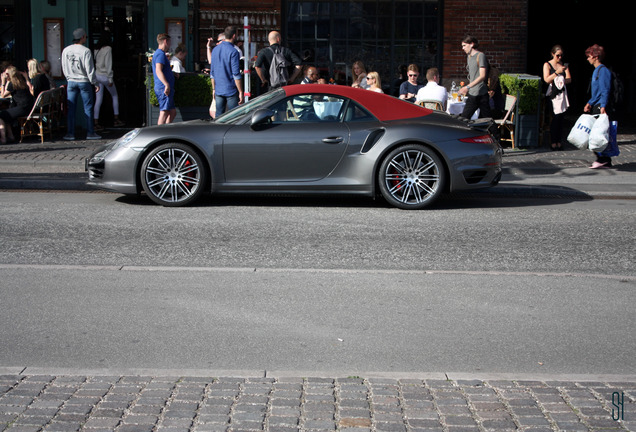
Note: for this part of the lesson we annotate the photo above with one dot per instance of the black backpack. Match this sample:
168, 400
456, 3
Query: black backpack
278, 73
617, 90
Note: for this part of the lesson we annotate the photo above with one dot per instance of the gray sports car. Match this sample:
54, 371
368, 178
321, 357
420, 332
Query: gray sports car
305, 139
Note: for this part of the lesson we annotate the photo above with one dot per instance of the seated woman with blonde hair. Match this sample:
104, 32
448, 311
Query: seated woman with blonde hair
359, 73
373, 80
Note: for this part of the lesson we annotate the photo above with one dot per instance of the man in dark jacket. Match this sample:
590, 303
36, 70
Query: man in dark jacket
266, 55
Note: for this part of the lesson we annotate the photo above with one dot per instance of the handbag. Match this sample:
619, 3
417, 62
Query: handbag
599, 135
580, 133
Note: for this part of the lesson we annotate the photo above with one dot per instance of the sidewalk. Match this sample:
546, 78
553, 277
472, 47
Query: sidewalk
536, 171
138, 402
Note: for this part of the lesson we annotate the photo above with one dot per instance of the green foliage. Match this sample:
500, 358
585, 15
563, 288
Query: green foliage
189, 90
528, 91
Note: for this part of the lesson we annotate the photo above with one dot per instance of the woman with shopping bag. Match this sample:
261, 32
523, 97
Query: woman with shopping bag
601, 86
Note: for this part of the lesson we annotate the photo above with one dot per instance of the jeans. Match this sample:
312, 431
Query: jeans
86, 92
226, 103
99, 97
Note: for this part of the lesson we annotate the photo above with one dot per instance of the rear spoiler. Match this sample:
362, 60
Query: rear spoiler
481, 124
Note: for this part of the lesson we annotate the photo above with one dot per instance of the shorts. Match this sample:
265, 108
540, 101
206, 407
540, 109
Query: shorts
166, 103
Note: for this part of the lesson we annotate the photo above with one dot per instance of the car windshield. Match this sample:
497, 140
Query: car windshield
240, 111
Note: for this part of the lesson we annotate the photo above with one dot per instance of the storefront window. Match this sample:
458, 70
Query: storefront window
383, 34
7, 31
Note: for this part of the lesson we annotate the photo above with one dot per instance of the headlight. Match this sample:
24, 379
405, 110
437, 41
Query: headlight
126, 139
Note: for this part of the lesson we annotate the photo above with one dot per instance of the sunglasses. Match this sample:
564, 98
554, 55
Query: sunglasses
370, 78
414, 75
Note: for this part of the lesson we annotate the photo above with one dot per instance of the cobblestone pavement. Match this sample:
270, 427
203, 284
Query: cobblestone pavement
147, 403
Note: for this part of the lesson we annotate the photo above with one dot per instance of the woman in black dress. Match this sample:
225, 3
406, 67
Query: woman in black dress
14, 84
38, 80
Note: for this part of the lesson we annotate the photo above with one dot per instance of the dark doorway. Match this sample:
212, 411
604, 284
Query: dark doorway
576, 25
125, 21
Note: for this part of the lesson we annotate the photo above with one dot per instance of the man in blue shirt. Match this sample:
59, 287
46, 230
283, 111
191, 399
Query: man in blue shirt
164, 80
225, 73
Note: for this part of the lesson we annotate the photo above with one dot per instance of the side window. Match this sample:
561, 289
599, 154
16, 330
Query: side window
309, 108
356, 113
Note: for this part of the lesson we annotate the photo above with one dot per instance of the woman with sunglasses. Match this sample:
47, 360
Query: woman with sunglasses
373, 80
557, 74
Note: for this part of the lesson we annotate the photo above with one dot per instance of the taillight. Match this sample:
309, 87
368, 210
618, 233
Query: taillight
483, 139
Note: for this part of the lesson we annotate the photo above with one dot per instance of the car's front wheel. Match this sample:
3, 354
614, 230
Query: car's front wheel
173, 175
411, 177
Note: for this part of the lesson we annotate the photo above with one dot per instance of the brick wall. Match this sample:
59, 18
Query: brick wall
500, 26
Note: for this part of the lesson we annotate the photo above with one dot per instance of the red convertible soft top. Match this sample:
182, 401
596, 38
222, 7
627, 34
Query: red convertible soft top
384, 107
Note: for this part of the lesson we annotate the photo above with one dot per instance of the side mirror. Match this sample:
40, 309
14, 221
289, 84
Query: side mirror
261, 117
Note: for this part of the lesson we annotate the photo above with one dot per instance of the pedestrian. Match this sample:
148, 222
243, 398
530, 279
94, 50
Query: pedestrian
557, 74
225, 73
176, 62
105, 78
164, 80
600, 100
78, 68
266, 55
476, 89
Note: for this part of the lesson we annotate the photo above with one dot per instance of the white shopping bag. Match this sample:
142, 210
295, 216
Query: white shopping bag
599, 136
580, 133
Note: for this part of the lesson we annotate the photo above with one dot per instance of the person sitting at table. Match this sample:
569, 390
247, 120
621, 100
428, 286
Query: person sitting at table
432, 90
14, 84
373, 80
359, 74
410, 87
38, 81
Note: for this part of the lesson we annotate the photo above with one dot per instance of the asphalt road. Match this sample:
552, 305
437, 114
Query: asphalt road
472, 285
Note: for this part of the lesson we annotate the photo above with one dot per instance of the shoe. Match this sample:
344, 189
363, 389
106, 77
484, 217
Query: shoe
98, 127
119, 123
597, 165
69, 137
93, 136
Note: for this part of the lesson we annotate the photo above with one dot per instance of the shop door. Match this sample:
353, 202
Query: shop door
123, 22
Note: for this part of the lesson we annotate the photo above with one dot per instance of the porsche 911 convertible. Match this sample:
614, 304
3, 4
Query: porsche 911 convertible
305, 139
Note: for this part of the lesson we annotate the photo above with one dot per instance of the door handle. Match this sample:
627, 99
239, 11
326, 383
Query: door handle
332, 140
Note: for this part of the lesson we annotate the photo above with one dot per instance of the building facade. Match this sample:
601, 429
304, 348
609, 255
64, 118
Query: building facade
330, 34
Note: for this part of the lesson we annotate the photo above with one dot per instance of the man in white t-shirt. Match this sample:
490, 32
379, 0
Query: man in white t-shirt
176, 62
432, 90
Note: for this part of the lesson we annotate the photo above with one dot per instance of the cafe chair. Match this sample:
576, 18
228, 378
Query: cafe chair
508, 122
431, 104
39, 121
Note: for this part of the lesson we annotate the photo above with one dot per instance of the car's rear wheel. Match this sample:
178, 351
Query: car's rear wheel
173, 175
411, 177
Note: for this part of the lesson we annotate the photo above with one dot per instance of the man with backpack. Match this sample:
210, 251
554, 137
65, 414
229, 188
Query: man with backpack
273, 63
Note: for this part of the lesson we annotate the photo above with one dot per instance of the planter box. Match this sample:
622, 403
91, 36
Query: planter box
193, 97
183, 114
527, 131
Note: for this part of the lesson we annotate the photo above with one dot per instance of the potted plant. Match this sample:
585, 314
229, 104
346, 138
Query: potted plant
527, 89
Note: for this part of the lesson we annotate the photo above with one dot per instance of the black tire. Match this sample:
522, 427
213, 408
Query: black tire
173, 175
411, 177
